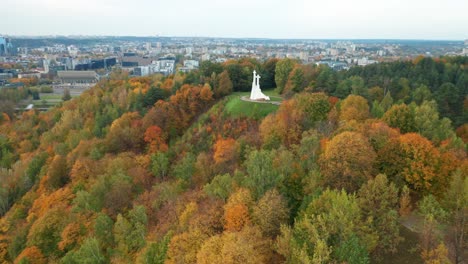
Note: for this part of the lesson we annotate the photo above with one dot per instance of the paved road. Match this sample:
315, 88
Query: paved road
247, 99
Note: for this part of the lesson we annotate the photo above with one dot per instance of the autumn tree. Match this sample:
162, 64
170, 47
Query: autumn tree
295, 81
130, 232
224, 86
329, 229
31, 255
391, 161
430, 237
262, 175
456, 203
268, 75
462, 132
421, 164
358, 86
302, 112
35, 166
237, 210
185, 168
376, 93
82, 170
208, 67
225, 152
270, 212
354, 107
308, 150
401, 90
405, 201
45, 232
156, 139
281, 128
428, 124
183, 247
125, 134
103, 230
377, 110
327, 81
352, 250
282, 71
118, 197
17, 243
89, 252
159, 164
246, 246
378, 200
155, 253
400, 116
221, 186
387, 102
153, 95
421, 94
71, 235
204, 169
352, 85
348, 161
311, 109
239, 75
380, 134
273, 136
58, 172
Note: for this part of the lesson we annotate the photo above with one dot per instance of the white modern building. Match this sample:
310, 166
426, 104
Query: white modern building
163, 66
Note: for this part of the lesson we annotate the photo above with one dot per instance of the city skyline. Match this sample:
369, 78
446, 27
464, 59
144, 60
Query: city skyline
335, 19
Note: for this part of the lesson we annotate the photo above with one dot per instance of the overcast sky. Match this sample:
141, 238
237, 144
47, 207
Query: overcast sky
356, 19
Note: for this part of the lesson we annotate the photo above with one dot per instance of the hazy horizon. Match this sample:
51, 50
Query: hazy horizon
296, 19
227, 37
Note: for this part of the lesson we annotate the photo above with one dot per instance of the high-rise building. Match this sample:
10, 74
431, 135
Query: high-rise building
6, 48
45, 65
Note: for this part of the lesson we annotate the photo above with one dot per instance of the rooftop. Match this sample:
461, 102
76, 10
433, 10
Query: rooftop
77, 74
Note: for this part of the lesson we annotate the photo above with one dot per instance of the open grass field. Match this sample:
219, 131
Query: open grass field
46, 103
237, 108
49, 100
50, 96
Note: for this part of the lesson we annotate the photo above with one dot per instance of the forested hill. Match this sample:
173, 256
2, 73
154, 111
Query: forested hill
159, 169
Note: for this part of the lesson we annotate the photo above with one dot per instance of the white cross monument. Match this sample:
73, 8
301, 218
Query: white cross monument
256, 93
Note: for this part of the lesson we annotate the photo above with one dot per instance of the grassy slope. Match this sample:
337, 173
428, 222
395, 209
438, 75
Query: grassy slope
236, 107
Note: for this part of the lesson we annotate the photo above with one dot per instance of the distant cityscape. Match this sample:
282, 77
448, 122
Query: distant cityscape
46, 58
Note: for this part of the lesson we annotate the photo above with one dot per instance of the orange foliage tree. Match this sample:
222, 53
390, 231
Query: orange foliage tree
422, 164
236, 210
225, 150
156, 139
71, 235
31, 255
